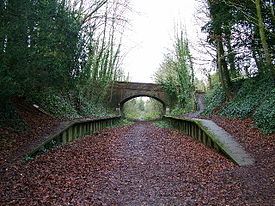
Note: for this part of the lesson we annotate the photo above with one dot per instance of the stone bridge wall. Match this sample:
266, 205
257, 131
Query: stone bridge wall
124, 91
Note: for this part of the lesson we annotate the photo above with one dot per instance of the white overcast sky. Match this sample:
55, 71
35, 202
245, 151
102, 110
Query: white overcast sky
150, 35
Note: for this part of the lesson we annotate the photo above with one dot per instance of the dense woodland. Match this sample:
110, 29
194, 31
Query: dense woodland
63, 55
59, 58
239, 41
240, 36
60, 52
236, 54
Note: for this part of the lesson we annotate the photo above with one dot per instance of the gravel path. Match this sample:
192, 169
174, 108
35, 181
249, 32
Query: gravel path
135, 165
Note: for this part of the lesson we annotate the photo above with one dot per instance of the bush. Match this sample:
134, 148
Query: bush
92, 108
249, 97
64, 106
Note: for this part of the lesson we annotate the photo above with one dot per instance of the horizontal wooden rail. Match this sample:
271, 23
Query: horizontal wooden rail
195, 129
223, 144
72, 131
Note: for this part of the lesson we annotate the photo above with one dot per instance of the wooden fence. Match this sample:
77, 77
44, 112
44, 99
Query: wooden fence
72, 131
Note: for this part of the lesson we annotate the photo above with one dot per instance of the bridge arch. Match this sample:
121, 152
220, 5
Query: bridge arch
121, 92
123, 101
141, 95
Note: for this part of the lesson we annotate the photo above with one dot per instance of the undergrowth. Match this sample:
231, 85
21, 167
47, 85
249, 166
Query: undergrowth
66, 107
122, 122
213, 99
10, 118
255, 98
162, 124
57, 105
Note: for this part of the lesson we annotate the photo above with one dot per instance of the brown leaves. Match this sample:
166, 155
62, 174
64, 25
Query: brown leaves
140, 165
38, 125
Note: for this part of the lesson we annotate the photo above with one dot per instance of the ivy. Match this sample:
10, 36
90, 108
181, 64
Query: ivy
213, 99
255, 98
264, 115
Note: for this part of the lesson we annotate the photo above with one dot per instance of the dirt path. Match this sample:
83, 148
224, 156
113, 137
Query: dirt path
135, 165
131, 166
200, 101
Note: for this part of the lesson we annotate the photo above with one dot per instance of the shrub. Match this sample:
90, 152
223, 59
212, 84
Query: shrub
92, 108
249, 97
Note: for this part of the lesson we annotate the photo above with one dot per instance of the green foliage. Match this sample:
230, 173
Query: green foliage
229, 21
213, 98
255, 98
95, 109
139, 109
264, 115
214, 80
176, 75
67, 107
153, 109
57, 105
151, 116
162, 124
178, 110
59, 55
200, 85
250, 96
41, 48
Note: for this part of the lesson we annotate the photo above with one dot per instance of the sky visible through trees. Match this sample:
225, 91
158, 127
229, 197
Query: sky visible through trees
150, 34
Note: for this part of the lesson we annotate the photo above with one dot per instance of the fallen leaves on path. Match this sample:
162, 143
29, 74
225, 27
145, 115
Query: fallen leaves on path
134, 165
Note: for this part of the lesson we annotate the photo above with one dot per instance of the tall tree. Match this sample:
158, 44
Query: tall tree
176, 74
258, 16
263, 36
217, 28
58, 45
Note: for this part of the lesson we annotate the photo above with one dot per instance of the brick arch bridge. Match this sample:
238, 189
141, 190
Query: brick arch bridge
124, 91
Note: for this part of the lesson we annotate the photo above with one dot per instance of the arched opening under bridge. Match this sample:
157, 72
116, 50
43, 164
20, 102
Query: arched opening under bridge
122, 92
142, 107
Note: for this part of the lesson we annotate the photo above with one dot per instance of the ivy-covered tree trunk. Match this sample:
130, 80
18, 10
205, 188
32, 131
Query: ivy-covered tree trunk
176, 74
263, 39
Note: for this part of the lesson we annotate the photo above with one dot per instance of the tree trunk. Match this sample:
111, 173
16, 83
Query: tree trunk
210, 81
263, 39
231, 59
221, 61
223, 70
